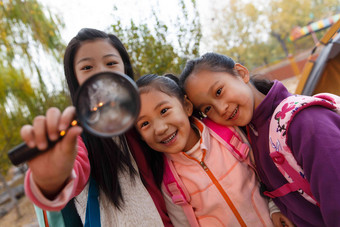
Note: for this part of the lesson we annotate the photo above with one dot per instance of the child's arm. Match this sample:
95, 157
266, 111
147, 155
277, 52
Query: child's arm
314, 138
277, 217
60, 168
280, 220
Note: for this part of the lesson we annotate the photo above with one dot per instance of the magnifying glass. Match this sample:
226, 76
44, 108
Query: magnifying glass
107, 104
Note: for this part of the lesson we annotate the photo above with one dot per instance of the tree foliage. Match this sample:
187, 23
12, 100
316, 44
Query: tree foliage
152, 51
285, 15
255, 33
26, 29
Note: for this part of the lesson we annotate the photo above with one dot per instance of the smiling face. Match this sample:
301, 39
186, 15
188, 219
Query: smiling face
226, 99
163, 122
94, 57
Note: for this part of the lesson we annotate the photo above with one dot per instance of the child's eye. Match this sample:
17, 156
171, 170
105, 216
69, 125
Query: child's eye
111, 63
218, 92
87, 67
163, 111
206, 109
145, 123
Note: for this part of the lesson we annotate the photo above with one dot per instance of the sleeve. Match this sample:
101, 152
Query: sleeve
76, 183
175, 212
272, 207
314, 138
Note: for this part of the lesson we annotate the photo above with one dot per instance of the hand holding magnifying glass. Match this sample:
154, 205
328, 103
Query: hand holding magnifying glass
107, 104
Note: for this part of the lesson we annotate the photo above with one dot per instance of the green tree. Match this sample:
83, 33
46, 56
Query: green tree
285, 15
151, 51
238, 30
25, 29
255, 33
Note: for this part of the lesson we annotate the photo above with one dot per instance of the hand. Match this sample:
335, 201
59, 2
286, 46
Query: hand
51, 169
280, 220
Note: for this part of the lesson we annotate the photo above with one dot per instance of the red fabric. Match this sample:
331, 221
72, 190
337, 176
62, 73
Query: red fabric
147, 176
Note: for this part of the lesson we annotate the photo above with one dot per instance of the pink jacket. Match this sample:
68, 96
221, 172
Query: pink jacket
211, 175
139, 208
80, 175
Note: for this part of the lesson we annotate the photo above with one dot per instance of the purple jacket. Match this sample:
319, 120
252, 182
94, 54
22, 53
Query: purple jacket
314, 138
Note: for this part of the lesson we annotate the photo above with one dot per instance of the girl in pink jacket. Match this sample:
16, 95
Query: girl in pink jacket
223, 190
128, 195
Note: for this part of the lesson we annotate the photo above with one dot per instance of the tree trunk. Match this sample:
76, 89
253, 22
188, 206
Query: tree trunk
281, 41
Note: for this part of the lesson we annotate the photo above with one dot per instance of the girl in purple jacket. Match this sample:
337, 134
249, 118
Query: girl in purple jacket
222, 188
223, 91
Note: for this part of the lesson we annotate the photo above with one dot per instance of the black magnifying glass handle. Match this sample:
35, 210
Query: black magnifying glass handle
23, 153
107, 104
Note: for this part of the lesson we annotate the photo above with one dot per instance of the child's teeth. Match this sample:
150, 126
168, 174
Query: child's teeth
235, 111
168, 140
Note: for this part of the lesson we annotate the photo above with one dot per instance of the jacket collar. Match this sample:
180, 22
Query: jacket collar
204, 143
265, 109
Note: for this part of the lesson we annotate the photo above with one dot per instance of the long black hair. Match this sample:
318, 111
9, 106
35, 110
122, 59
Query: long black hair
167, 84
107, 158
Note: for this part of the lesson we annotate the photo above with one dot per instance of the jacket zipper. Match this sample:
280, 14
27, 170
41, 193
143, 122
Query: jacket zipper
224, 194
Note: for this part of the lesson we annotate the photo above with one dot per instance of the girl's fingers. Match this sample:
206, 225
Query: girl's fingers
67, 117
52, 123
39, 126
45, 129
27, 134
70, 140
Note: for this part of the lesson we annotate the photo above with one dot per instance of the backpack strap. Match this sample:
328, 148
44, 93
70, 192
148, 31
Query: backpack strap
230, 138
70, 215
279, 150
43, 217
332, 99
237, 147
176, 189
67, 217
92, 218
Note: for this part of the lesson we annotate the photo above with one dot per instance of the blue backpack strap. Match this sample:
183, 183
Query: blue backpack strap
92, 218
55, 219
49, 218
70, 215
67, 217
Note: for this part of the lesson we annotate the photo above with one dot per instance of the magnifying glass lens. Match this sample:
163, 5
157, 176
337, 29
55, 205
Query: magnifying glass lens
108, 104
